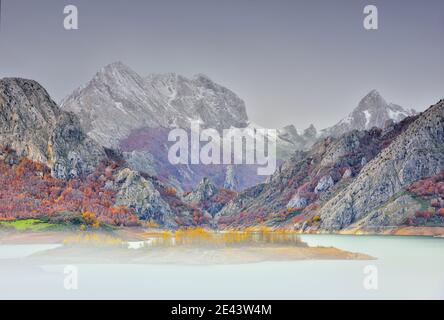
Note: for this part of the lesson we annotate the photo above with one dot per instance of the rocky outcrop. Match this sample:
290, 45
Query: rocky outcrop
310, 134
289, 140
203, 192
324, 184
347, 174
394, 213
230, 182
208, 198
34, 126
140, 194
298, 202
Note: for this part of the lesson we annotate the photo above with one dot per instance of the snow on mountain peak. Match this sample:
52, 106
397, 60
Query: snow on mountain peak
372, 111
118, 100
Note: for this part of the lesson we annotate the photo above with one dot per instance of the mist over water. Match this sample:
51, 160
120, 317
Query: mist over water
408, 267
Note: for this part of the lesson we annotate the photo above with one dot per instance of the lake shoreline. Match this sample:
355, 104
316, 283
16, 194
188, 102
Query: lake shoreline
139, 234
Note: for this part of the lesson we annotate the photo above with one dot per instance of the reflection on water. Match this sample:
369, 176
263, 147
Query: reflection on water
198, 237
194, 246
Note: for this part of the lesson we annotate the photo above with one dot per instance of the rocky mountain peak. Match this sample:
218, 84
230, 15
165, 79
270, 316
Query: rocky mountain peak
201, 77
39, 103
311, 132
117, 65
373, 100
291, 130
118, 74
118, 101
372, 111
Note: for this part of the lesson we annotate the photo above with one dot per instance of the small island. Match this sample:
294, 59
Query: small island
192, 246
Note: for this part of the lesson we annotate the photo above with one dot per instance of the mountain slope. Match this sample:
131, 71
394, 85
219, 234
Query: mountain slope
346, 182
33, 125
418, 152
58, 172
111, 104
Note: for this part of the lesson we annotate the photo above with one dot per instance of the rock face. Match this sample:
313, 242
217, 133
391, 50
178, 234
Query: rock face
333, 183
204, 191
138, 193
324, 184
298, 202
33, 125
290, 140
310, 133
198, 98
118, 101
230, 182
208, 198
372, 111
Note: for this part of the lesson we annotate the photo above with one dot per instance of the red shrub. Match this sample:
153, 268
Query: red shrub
28, 190
423, 214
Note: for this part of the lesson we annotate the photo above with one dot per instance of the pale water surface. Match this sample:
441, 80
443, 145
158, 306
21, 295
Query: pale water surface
408, 268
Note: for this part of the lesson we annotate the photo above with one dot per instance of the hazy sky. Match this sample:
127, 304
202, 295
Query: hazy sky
292, 61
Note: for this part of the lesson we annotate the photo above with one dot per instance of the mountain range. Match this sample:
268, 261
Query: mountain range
381, 167
361, 180
122, 110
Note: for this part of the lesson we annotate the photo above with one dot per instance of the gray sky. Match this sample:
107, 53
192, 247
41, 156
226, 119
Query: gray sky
292, 61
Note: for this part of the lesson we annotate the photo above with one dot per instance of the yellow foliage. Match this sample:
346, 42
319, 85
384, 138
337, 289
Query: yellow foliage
90, 219
151, 224
93, 238
202, 236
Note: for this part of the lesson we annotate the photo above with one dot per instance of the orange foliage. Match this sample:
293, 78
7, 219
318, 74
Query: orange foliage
29, 190
170, 191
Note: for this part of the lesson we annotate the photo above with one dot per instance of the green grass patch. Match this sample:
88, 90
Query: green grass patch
28, 225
